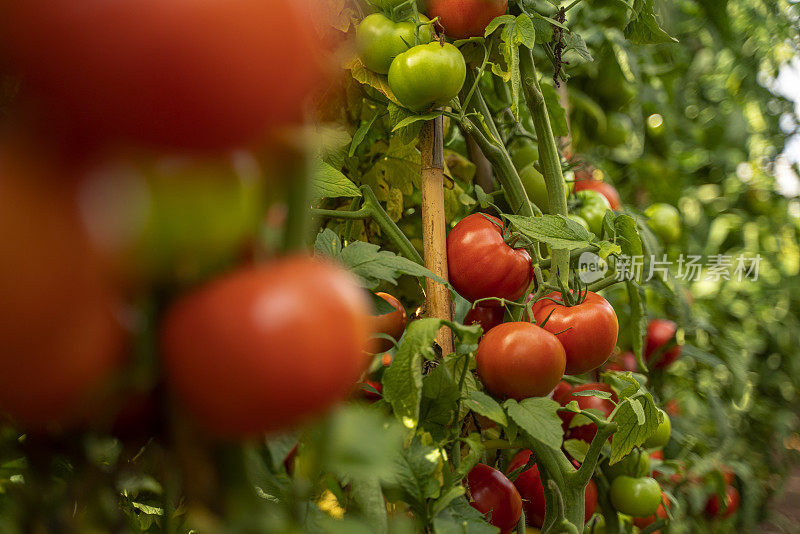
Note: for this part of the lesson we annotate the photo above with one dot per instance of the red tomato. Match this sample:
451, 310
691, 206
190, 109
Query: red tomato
371, 390
482, 265
178, 74
586, 432
494, 495
713, 508
587, 330
60, 338
604, 188
529, 485
520, 360
673, 407
661, 513
486, 316
235, 349
622, 362
563, 388
660, 332
393, 324
462, 19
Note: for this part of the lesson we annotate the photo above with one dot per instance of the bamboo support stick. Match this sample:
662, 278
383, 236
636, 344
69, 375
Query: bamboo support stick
434, 232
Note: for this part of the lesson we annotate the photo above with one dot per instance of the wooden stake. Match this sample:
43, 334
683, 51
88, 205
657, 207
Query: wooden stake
434, 232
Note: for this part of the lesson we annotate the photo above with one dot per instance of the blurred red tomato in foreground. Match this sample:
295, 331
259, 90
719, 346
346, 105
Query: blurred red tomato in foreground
267, 347
177, 74
60, 340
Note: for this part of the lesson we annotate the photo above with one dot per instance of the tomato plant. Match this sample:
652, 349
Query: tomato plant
214, 342
588, 330
427, 75
462, 19
482, 265
494, 495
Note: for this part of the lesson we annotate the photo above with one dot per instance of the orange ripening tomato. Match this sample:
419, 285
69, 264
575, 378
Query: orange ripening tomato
393, 324
60, 338
179, 74
236, 349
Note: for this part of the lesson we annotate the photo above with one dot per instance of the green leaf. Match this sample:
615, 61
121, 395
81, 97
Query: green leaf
368, 262
367, 499
481, 403
644, 27
447, 497
327, 182
575, 50
637, 417
555, 230
637, 299
537, 418
440, 396
577, 448
525, 31
416, 118
414, 474
497, 22
361, 133
402, 381
461, 518
367, 77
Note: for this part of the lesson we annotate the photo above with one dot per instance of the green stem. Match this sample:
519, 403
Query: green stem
296, 231
372, 209
548, 154
603, 283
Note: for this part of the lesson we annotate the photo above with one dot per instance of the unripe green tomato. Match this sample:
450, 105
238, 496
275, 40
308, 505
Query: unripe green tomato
638, 497
592, 207
635, 464
427, 75
578, 219
523, 154
661, 437
536, 188
379, 40
665, 221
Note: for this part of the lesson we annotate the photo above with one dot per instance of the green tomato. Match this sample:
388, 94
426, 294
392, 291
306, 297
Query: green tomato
665, 221
194, 216
635, 464
379, 40
661, 437
592, 207
427, 75
638, 497
618, 127
578, 219
536, 188
523, 154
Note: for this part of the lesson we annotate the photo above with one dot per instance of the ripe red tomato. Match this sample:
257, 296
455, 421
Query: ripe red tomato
587, 330
714, 509
520, 360
588, 431
563, 388
236, 348
529, 485
661, 513
466, 18
371, 390
177, 74
604, 188
493, 494
486, 316
60, 338
482, 265
659, 333
393, 324
622, 362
